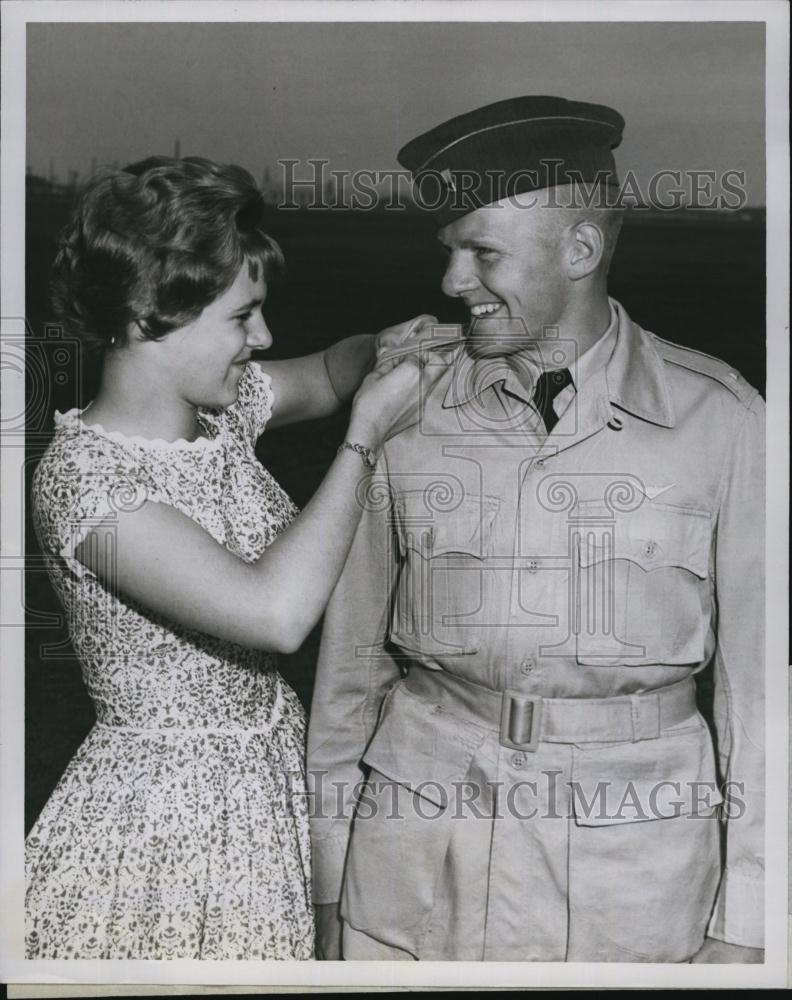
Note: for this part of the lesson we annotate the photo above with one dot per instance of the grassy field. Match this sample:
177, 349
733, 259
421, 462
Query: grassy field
697, 281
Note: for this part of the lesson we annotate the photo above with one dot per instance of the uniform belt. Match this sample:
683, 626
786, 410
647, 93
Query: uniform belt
523, 720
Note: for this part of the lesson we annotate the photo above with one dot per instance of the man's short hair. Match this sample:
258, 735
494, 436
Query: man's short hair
572, 204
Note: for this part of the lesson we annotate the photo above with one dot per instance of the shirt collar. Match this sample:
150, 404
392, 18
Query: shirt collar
634, 371
472, 376
598, 355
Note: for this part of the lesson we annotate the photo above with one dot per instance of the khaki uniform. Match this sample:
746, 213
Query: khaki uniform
507, 660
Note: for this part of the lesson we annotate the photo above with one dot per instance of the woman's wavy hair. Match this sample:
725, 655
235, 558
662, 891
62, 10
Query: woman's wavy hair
154, 244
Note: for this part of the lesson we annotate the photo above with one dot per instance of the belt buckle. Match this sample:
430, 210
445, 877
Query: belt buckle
521, 721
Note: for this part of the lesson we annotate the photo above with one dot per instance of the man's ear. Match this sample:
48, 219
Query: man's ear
586, 247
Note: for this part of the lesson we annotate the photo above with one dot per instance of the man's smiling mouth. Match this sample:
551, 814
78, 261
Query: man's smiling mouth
484, 308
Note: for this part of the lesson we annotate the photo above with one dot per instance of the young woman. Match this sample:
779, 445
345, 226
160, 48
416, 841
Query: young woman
179, 829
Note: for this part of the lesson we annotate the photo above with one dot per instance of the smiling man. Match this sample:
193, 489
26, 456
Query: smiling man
507, 757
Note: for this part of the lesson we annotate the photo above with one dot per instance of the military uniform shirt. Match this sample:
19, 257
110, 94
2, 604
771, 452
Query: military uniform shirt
615, 556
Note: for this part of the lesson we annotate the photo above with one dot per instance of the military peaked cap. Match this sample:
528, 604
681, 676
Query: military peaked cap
511, 147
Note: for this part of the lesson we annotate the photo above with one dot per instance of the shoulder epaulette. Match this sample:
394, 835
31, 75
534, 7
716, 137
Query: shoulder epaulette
706, 364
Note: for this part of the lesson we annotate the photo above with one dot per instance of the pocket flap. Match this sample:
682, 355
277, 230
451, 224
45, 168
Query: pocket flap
651, 779
431, 528
653, 536
421, 746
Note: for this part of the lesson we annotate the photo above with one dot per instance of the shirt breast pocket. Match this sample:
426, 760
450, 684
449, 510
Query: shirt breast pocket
443, 592
643, 589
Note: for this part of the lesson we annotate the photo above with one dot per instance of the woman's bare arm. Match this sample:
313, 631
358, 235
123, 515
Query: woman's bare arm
318, 385
166, 562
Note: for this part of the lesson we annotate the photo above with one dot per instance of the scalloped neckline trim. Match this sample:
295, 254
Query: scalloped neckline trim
75, 416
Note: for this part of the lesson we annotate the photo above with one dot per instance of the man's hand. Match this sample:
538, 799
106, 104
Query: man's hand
328, 932
716, 952
396, 342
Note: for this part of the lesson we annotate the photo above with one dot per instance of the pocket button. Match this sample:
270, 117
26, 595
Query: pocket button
518, 761
527, 666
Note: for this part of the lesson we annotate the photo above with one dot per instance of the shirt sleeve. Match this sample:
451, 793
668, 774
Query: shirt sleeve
739, 668
354, 673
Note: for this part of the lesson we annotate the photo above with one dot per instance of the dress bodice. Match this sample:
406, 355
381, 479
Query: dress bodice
140, 669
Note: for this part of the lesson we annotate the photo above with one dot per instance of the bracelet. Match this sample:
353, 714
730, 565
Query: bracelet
366, 454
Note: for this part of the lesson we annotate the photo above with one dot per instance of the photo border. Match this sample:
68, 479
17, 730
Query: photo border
460, 975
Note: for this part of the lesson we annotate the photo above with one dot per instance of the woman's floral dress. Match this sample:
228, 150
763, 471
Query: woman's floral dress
179, 829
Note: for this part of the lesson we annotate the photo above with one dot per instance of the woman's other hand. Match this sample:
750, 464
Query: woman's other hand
396, 342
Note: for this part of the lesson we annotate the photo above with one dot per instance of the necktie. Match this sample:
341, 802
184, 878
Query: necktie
548, 386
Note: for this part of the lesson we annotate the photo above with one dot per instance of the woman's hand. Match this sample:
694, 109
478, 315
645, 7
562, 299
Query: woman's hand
395, 342
388, 401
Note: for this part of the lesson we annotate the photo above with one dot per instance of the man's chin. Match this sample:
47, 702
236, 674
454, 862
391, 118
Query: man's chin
498, 337
482, 346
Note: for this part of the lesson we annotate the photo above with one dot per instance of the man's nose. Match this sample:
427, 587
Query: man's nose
459, 277
259, 336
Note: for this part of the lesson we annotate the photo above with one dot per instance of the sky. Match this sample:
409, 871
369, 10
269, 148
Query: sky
692, 94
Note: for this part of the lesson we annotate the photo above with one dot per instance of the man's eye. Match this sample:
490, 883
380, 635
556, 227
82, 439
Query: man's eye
486, 252
244, 317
